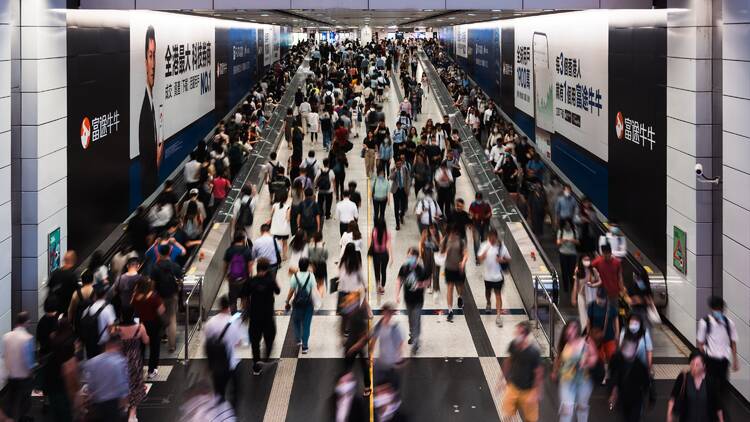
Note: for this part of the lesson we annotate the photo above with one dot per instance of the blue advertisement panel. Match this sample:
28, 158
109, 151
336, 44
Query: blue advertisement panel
484, 57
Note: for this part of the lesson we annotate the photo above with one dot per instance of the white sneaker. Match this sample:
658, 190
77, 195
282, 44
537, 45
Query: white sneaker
152, 375
499, 321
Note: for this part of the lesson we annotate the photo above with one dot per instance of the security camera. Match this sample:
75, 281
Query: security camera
702, 177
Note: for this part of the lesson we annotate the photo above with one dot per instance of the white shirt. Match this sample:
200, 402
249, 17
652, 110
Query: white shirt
618, 244
106, 318
717, 344
304, 107
348, 238
493, 272
311, 164
346, 211
350, 282
496, 153
313, 119
331, 178
424, 208
18, 353
279, 223
216, 324
266, 247
487, 115
192, 171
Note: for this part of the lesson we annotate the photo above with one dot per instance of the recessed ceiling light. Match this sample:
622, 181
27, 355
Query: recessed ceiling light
451, 18
549, 10
471, 14
497, 10
265, 15
428, 10
439, 20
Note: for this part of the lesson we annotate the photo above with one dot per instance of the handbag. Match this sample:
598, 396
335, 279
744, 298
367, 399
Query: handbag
440, 259
333, 285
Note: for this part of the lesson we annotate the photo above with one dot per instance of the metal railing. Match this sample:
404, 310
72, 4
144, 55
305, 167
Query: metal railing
552, 326
191, 331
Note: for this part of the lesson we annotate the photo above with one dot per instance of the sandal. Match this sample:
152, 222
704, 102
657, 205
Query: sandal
367, 392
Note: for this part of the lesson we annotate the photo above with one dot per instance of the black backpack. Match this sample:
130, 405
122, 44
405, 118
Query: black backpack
83, 304
302, 297
217, 353
308, 214
88, 327
245, 216
324, 181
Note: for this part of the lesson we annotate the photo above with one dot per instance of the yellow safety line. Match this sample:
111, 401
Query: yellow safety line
369, 290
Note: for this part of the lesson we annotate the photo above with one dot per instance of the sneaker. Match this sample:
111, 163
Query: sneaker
450, 316
299, 344
257, 369
488, 307
499, 321
414, 349
305, 350
152, 374
411, 340
460, 302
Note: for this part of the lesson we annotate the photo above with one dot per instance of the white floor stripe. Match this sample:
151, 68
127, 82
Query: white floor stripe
278, 401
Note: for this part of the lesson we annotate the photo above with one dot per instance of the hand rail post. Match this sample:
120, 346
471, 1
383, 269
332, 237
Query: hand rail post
187, 328
551, 329
536, 302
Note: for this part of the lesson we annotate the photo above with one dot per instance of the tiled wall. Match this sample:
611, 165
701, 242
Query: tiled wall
5, 203
689, 141
39, 144
736, 170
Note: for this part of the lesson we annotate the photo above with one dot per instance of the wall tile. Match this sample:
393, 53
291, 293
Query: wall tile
737, 297
5, 258
43, 74
34, 236
689, 74
677, 314
735, 45
689, 106
5, 149
43, 12
44, 171
47, 138
4, 188
735, 11
5, 77
736, 151
41, 205
736, 186
42, 107
688, 13
735, 112
681, 167
699, 234
5, 110
695, 205
734, 72
4, 216
736, 223
43, 42
689, 42
737, 260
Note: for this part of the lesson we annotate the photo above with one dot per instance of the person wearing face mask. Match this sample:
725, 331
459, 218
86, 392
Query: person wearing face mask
525, 375
347, 405
414, 280
695, 395
603, 325
642, 298
585, 286
630, 371
717, 339
615, 239
566, 206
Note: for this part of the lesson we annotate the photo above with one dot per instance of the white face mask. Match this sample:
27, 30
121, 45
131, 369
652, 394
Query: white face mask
566, 193
634, 327
586, 263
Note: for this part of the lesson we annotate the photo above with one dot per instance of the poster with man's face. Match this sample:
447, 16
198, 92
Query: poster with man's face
171, 86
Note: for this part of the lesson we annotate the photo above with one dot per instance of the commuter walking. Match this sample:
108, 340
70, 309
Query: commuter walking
63, 282
357, 317
258, 299
717, 340
525, 375
481, 213
585, 286
576, 357
389, 339
281, 228
237, 260
18, 354
427, 210
380, 194
429, 245
95, 322
414, 280
107, 381
494, 255
221, 335
381, 251
149, 308
300, 301
456, 254
265, 246
696, 396
603, 325
134, 337
317, 254
346, 212
167, 278
400, 184
324, 183
567, 242
309, 217
629, 371
610, 273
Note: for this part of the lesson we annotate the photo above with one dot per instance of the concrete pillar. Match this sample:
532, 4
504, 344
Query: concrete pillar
736, 173
690, 140
5, 136
39, 145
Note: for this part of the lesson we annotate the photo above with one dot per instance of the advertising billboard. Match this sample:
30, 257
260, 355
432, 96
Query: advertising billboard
461, 34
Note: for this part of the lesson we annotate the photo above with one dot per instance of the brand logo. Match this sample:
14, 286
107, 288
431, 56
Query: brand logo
620, 125
85, 133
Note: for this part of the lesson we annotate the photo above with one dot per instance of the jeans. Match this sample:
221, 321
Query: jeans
301, 321
325, 200
574, 399
153, 329
18, 397
400, 203
379, 208
264, 329
445, 199
170, 304
479, 233
380, 264
235, 287
415, 321
107, 411
327, 139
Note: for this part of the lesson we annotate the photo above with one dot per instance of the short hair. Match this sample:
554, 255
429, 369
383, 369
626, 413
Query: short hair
303, 264
51, 304
133, 260
309, 192
239, 236
265, 227
114, 340
22, 318
716, 303
697, 354
525, 327
224, 302
606, 248
262, 264
150, 36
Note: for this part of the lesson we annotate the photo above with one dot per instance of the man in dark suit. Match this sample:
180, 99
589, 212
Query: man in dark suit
148, 143
400, 185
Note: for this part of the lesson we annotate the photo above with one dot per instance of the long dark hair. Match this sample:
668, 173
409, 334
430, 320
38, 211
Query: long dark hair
580, 269
351, 260
298, 241
381, 230
638, 334
564, 337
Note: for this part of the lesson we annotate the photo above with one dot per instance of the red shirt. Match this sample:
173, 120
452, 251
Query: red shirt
341, 134
609, 272
147, 309
221, 188
480, 211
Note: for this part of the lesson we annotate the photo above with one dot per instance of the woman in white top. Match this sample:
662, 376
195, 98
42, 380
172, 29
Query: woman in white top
585, 285
351, 278
280, 227
351, 235
313, 119
297, 250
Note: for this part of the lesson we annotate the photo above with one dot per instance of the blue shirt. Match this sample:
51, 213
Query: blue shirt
566, 207
107, 377
398, 136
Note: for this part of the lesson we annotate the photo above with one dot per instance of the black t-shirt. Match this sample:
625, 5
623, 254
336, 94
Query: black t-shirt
413, 295
260, 291
166, 274
357, 325
46, 326
523, 366
370, 143
459, 220
355, 197
62, 283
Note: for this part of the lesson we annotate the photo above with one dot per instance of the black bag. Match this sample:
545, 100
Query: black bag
88, 328
217, 353
308, 214
245, 216
333, 285
324, 180
83, 304
302, 297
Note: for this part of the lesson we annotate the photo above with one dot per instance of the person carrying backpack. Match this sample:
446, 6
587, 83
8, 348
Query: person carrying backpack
300, 301
82, 298
222, 334
167, 276
324, 183
717, 340
308, 218
236, 267
259, 292
95, 322
380, 190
